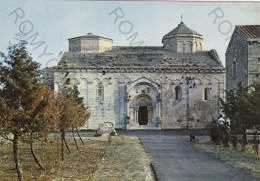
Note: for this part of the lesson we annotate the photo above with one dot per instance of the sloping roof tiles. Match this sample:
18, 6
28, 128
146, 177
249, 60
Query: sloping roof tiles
89, 35
249, 31
141, 57
181, 29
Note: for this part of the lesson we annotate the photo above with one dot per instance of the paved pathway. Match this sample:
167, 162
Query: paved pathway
174, 158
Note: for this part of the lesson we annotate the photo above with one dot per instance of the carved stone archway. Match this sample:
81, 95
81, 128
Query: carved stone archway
143, 98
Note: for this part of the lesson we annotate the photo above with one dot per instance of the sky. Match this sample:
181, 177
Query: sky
56, 21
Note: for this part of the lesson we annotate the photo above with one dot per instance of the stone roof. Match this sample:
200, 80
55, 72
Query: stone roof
90, 36
249, 31
140, 57
181, 29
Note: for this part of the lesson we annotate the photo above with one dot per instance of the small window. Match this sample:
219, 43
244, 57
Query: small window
178, 94
143, 91
234, 68
181, 47
100, 91
206, 94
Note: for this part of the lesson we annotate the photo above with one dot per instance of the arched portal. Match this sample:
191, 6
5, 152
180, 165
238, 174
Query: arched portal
143, 104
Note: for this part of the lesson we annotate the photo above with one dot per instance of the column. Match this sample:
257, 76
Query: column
149, 115
137, 115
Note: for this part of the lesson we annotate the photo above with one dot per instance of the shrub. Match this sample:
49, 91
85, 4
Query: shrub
214, 133
218, 135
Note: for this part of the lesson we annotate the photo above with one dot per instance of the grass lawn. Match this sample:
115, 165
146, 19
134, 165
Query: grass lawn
232, 157
90, 162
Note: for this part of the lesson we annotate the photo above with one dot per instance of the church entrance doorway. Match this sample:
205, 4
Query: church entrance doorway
143, 115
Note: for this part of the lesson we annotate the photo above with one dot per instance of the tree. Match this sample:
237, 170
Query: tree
81, 114
254, 100
43, 116
237, 109
72, 113
19, 76
24, 103
65, 102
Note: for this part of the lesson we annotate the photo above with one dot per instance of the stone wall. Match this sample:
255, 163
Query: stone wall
184, 43
253, 62
90, 44
190, 111
237, 52
246, 54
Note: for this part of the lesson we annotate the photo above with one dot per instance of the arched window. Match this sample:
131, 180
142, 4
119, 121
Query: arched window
178, 94
206, 94
181, 47
196, 46
100, 92
234, 67
188, 47
200, 47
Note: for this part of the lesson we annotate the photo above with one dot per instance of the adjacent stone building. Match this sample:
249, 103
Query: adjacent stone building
243, 56
177, 85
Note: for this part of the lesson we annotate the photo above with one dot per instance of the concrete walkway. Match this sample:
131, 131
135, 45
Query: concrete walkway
174, 158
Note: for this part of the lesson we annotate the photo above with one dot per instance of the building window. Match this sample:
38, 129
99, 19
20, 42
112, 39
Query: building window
181, 47
100, 91
234, 67
188, 47
178, 94
206, 94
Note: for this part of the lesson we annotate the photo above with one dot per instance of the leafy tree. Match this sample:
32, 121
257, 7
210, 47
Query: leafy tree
237, 109
66, 103
72, 114
25, 105
81, 116
78, 99
19, 77
42, 117
255, 105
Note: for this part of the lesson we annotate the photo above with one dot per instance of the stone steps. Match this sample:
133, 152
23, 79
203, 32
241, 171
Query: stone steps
143, 127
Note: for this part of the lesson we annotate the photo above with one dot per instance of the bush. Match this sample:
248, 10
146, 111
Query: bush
218, 135
214, 133
234, 141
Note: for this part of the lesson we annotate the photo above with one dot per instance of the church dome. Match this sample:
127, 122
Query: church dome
183, 40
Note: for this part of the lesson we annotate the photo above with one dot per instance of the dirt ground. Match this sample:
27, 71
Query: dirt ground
98, 159
125, 160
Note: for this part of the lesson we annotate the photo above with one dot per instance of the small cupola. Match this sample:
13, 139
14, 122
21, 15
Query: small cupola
90, 43
183, 40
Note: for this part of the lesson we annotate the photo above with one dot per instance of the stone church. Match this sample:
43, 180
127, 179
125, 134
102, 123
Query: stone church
243, 56
174, 86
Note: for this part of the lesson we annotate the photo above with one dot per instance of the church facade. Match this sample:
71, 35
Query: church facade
174, 86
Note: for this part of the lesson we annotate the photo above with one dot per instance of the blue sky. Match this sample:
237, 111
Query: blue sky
56, 21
